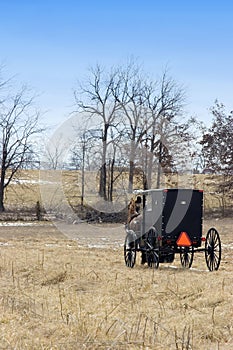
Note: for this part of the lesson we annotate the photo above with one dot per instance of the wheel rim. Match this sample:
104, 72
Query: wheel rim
186, 257
129, 252
153, 260
213, 249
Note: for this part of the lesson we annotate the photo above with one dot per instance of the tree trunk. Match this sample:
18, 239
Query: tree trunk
103, 172
2, 208
131, 166
149, 169
111, 179
83, 174
131, 176
159, 164
2, 181
102, 184
150, 158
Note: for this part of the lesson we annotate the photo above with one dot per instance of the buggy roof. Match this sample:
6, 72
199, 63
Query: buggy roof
144, 192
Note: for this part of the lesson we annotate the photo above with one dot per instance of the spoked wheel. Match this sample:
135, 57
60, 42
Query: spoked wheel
130, 250
212, 249
153, 259
152, 237
186, 256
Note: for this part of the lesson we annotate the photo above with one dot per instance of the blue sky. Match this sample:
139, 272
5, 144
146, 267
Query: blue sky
50, 44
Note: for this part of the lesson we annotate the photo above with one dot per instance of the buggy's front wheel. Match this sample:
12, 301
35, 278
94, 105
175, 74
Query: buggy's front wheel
212, 249
186, 256
130, 250
153, 259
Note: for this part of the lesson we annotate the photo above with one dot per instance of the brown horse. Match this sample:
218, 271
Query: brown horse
134, 217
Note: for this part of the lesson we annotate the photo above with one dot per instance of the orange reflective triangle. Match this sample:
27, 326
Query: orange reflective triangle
184, 240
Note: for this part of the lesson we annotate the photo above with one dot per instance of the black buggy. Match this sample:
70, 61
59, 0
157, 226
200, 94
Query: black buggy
170, 223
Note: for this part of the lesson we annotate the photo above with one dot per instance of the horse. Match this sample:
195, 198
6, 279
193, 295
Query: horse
134, 216
134, 222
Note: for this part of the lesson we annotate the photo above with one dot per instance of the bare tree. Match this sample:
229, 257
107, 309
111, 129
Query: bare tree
164, 101
115, 160
123, 100
53, 154
19, 126
100, 105
82, 153
149, 108
129, 93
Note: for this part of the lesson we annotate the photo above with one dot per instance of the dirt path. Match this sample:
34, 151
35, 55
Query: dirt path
85, 234
91, 234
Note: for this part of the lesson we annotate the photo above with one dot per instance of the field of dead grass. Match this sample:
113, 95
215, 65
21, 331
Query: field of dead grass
73, 291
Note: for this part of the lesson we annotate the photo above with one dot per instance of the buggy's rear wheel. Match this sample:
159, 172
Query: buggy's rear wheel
212, 249
153, 259
186, 256
130, 250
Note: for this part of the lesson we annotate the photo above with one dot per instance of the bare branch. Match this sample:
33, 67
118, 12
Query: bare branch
19, 123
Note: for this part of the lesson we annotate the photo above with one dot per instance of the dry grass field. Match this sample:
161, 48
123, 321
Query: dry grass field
66, 287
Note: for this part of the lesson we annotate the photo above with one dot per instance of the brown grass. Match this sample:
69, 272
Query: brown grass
56, 293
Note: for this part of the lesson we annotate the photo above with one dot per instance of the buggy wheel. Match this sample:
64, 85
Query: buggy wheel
153, 259
212, 249
152, 237
130, 251
186, 256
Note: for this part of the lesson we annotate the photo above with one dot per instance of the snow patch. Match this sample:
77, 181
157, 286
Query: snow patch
17, 223
4, 244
